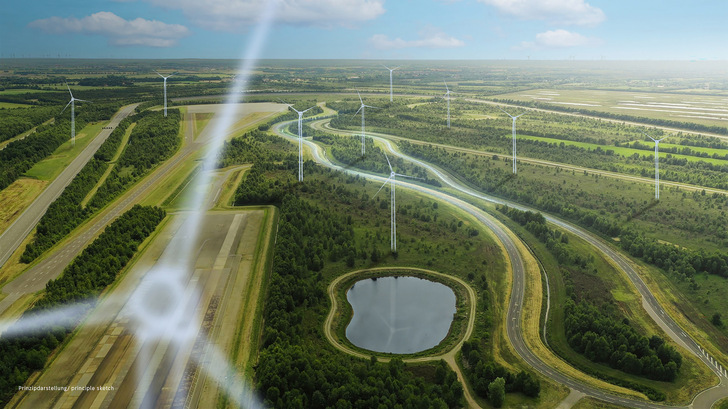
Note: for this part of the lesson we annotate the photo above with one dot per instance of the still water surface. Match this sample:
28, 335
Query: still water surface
399, 315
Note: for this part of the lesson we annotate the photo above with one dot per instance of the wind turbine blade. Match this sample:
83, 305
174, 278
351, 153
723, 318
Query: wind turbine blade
516, 117
360, 100
64, 108
82, 100
385, 67
69, 90
505, 112
308, 109
369, 106
159, 73
357, 111
446, 87
388, 162
649, 136
380, 189
395, 68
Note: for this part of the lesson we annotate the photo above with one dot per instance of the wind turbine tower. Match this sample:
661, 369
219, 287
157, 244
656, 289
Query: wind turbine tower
73, 114
657, 166
390, 80
392, 202
300, 140
165, 90
514, 138
447, 98
361, 108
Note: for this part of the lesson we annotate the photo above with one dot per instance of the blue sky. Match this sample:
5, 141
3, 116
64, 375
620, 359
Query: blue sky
374, 29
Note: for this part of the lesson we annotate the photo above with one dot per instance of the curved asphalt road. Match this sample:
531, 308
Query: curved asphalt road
14, 235
704, 400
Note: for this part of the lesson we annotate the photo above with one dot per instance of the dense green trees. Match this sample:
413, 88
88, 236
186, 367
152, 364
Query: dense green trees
497, 392
89, 273
13, 122
602, 338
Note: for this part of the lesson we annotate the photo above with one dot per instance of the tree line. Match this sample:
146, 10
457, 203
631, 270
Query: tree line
22, 353
66, 212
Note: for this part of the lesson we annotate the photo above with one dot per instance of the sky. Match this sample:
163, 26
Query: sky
370, 29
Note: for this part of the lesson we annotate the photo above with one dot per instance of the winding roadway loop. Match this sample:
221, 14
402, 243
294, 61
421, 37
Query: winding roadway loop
513, 328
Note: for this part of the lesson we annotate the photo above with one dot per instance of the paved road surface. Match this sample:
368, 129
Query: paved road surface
14, 235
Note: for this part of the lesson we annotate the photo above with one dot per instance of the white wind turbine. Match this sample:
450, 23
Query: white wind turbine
392, 203
657, 166
447, 97
300, 140
165, 90
73, 114
390, 80
361, 108
514, 137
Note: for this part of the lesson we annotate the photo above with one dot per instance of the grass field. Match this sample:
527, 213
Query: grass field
52, 166
15, 198
10, 105
700, 109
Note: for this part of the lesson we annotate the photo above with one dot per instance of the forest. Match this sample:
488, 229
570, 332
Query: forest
22, 353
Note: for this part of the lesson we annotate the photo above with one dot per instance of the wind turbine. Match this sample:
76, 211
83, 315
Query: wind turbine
657, 166
165, 90
73, 114
390, 80
514, 137
361, 108
300, 140
392, 204
447, 97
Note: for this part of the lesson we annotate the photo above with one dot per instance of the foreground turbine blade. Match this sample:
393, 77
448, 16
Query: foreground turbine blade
388, 162
357, 93
380, 189
64, 108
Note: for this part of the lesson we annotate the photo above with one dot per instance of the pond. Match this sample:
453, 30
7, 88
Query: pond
400, 315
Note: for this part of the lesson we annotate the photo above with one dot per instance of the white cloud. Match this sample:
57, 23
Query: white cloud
430, 38
558, 39
568, 12
234, 15
151, 33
